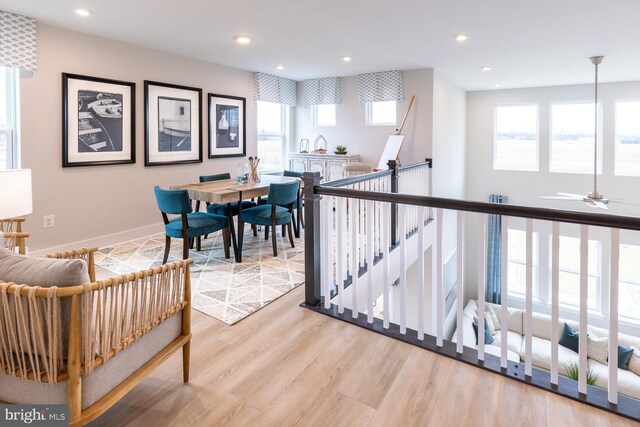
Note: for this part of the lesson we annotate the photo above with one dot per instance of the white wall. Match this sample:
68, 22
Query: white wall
89, 202
369, 141
525, 188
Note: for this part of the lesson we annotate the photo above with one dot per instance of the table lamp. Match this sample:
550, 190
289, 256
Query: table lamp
15, 194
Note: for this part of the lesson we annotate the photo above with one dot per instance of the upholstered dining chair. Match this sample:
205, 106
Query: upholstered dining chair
273, 213
188, 225
297, 205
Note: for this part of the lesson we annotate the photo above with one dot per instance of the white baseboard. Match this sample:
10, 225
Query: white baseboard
107, 240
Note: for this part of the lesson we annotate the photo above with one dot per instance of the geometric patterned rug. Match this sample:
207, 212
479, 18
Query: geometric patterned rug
220, 287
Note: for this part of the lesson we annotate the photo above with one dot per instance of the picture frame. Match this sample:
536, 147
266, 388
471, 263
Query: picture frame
98, 121
227, 126
173, 124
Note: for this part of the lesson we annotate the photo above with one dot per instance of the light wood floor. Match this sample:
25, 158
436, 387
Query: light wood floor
286, 365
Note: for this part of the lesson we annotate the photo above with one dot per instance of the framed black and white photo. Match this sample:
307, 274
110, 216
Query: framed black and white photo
227, 126
98, 121
173, 128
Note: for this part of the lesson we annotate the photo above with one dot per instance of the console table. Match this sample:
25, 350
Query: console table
331, 166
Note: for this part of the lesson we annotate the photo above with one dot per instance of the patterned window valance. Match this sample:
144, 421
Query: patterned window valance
18, 41
321, 91
276, 89
384, 86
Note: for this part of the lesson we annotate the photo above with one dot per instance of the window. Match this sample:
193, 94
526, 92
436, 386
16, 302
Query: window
381, 113
517, 258
569, 289
272, 135
572, 138
516, 137
8, 118
324, 114
627, 160
629, 283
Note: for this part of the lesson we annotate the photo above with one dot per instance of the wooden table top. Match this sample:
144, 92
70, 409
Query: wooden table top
227, 191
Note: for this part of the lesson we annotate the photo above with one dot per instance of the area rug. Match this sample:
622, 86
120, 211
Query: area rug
221, 288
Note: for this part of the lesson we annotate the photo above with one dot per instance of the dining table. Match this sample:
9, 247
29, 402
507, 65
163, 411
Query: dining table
227, 191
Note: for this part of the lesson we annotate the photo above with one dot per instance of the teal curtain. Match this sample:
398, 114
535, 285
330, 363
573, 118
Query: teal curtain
494, 252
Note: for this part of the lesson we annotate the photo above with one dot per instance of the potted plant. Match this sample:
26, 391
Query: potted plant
341, 149
573, 373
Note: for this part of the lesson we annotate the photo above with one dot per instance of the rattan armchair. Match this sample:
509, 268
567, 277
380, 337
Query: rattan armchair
13, 235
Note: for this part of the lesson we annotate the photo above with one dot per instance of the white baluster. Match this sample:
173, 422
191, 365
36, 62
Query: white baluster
336, 254
439, 280
529, 297
421, 278
386, 238
361, 228
584, 299
326, 232
555, 305
460, 280
482, 279
613, 315
370, 257
353, 256
504, 295
403, 269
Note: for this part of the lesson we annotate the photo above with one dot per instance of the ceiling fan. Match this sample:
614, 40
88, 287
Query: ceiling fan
593, 198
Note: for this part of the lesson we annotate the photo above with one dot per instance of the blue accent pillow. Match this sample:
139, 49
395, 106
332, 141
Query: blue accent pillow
570, 338
488, 338
624, 355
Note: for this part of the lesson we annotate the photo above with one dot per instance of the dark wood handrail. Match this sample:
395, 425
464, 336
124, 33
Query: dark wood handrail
593, 219
427, 163
356, 179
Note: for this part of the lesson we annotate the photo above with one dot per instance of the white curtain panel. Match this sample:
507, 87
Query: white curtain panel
18, 41
321, 91
382, 86
276, 89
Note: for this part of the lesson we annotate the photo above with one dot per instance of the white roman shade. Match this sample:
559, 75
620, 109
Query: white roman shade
276, 89
321, 91
18, 41
383, 86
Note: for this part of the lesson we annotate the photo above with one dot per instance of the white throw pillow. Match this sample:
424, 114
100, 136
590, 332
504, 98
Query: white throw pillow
598, 349
634, 362
494, 317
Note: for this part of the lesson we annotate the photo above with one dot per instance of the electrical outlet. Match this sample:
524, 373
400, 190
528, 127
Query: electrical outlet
48, 221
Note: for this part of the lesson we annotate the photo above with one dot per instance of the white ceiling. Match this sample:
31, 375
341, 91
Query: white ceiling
527, 43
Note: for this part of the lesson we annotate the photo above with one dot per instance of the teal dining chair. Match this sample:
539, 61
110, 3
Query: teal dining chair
189, 225
297, 205
278, 210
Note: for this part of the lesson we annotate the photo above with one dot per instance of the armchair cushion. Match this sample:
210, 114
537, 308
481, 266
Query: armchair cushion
45, 272
200, 223
221, 208
261, 215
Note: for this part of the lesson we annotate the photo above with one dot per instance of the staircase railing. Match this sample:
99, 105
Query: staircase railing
368, 234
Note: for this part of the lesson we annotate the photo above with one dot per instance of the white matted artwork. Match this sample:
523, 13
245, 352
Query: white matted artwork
173, 130
391, 150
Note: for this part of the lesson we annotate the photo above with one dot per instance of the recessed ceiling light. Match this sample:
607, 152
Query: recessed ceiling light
280, 67
83, 12
461, 38
497, 85
486, 68
346, 58
243, 39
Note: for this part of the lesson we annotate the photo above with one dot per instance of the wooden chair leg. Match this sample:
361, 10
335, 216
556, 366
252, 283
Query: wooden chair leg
284, 230
186, 358
226, 239
255, 230
185, 248
199, 243
197, 206
301, 217
273, 241
167, 247
266, 232
291, 234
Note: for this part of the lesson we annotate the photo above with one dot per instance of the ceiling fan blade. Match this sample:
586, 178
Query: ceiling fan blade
561, 198
598, 204
580, 196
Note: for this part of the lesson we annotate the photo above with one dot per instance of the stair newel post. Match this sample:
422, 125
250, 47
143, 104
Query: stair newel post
393, 166
312, 259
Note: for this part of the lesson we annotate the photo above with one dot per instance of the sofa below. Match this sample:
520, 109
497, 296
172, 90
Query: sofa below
628, 382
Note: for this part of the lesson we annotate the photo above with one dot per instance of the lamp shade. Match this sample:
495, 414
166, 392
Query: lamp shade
15, 193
